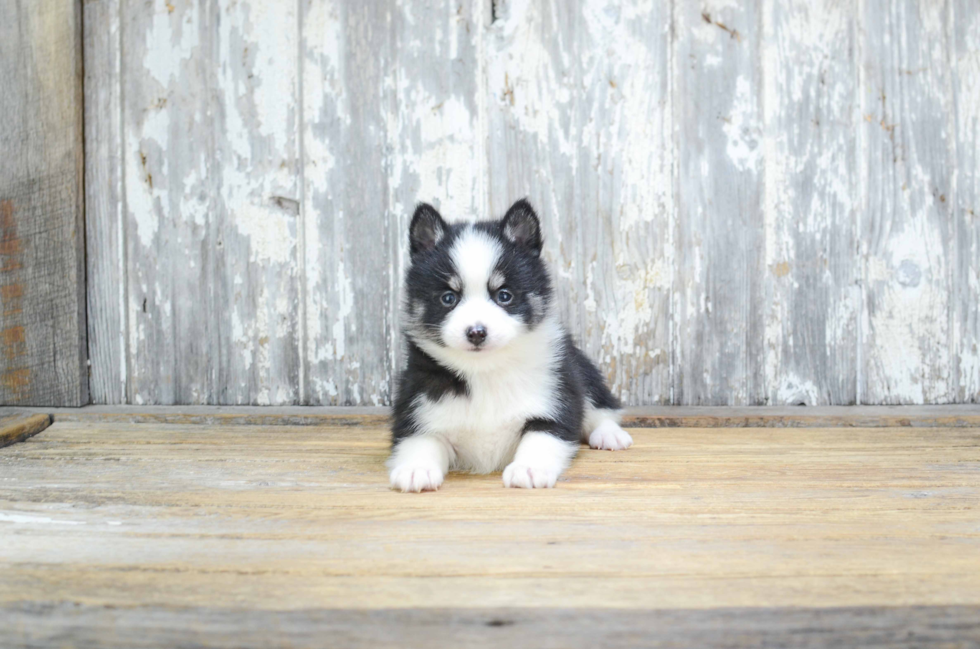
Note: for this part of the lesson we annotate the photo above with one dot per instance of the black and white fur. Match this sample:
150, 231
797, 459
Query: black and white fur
492, 381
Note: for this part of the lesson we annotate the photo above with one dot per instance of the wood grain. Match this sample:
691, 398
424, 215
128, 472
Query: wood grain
907, 213
105, 218
256, 229
30, 625
346, 53
211, 112
719, 321
959, 416
302, 518
812, 273
42, 240
963, 26
171, 194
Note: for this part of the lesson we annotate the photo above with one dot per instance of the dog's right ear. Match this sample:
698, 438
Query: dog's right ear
427, 229
521, 226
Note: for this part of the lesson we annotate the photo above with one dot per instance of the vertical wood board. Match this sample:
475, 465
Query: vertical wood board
42, 239
964, 63
104, 217
906, 226
812, 296
719, 316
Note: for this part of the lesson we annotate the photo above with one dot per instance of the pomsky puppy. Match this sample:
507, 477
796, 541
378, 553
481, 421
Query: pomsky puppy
492, 379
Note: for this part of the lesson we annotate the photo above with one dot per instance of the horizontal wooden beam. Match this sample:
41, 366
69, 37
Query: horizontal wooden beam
954, 416
145, 626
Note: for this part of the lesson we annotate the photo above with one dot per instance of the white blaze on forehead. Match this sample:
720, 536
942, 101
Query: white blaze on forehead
475, 255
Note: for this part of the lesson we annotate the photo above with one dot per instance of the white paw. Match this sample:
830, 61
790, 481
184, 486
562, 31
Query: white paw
610, 437
530, 477
416, 478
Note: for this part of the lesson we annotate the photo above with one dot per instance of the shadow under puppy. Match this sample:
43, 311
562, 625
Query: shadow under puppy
492, 379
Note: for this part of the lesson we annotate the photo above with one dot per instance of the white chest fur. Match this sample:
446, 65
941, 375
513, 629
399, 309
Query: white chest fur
484, 426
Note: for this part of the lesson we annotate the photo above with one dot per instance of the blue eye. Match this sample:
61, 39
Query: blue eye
448, 298
504, 296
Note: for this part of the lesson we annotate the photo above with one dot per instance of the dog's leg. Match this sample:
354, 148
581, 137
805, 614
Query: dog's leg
419, 463
601, 430
540, 459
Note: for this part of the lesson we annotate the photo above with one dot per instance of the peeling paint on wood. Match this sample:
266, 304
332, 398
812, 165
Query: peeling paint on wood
812, 289
963, 26
744, 203
171, 194
345, 56
907, 216
718, 291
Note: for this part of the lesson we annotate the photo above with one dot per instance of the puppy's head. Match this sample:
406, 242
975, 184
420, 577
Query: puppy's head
475, 287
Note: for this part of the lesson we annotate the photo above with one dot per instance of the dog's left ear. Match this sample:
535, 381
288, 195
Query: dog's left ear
521, 226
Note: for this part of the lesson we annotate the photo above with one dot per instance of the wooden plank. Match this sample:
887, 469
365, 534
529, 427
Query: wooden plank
234, 415
90, 627
964, 57
346, 54
170, 200
42, 248
957, 416
192, 516
813, 292
774, 417
578, 106
719, 287
105, 222
19, 428
255, 230
909, 153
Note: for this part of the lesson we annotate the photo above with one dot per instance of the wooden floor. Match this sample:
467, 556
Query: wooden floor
139, 535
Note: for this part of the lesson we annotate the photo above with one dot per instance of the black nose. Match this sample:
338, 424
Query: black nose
476, 334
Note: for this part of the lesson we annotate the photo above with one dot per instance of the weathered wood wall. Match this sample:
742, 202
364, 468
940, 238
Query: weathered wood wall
761, 202
42, 238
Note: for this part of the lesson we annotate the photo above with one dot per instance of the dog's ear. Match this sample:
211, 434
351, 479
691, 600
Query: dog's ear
521, 226
427, 229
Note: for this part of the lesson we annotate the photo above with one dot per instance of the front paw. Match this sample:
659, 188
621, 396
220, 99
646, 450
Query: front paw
530, 477
416, 478
610, 437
